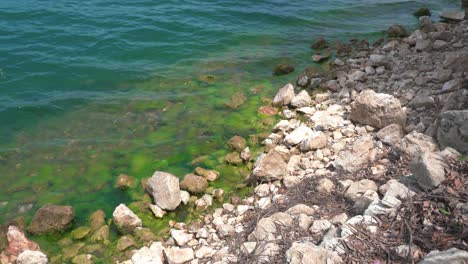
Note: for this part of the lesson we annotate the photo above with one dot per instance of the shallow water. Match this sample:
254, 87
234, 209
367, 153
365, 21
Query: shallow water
92, 89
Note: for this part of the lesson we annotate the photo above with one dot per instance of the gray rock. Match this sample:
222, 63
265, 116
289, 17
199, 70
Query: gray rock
439, 44
299, 134
377, 60
453, 16
125, 220
391, 135
377, 109
270, 167
357, 189
452, 256
397, 31
32, 257
165, 189
415, 143
428, 169
52, 218
423, 44
316, 140
284, 95
454, 84
453, 130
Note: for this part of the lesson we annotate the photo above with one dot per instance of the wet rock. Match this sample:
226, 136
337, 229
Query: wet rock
52, 218
236, 100
233, 158
391, 135
97, 219
124, 243
308, 253
125, 220
283, 69
453, 130
270, 167
319, 44
125, 182
357, 157
194, 184
343, 49
397, 31
268, 110
165, 189
284, 95
209, 175
301, 99
144, 234
184, 197
428, 169
452, 256
415, 143
377, 109
176, 255
246, 155
32, 257
237, 143
80, 232
17, 243
102, 234
423, 44
84, 259
423, 11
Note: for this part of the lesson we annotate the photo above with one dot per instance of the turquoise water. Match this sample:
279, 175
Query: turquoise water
92, 89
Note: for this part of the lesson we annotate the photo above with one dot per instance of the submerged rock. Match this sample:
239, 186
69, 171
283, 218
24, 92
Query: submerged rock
319, 44
125, 182
283, 69
52, 218
165, 189
209, 175
423, 11
237, 100
237, 143
194, 184
97, 219
397, 31
125, 220
233, 158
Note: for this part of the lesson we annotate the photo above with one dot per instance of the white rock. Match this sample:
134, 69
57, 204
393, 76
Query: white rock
284, 95
301, 99
176, 255
32, 257
158, 212
164, 187
125, 220
181, 237
184, 196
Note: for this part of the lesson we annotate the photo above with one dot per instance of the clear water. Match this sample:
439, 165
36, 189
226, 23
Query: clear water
92, 89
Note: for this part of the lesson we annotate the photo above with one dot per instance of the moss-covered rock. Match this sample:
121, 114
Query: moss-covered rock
72, 250
97, 220
283, 69
125, 182
125, 242
233, 158
236, 100
52, 218
423, 11
84, 259
144, 234
80, 232
237, 143
101, 234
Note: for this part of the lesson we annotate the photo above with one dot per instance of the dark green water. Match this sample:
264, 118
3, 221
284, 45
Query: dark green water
92, 89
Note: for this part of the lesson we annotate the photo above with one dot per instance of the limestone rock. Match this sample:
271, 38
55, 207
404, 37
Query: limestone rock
415, 143
52, 218
301, 99
152, 255
360, 153
125, 182
299, 134
165, 189
284, 95
32, 257
97, 219
397, 31
209, 175
391, 135
270, 167
316, 140
176, 255
453, 16
377, 109
283, 69
17, 243
453, 130
158, 212
125, 220
428, 169
357, 189
181, 237
319, 44
125, 242
308, 253
194, 184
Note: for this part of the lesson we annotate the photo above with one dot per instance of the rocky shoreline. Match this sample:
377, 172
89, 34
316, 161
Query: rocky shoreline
368, 164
